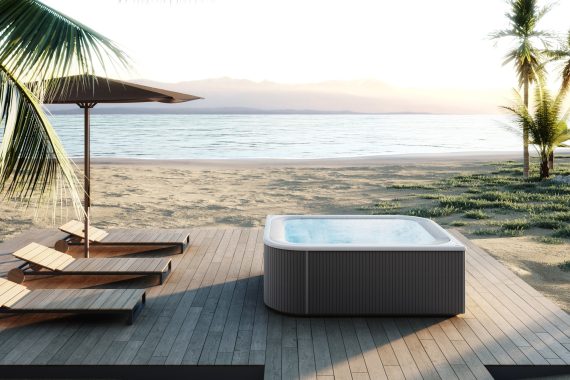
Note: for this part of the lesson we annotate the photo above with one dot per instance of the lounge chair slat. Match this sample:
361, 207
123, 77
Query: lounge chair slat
25, 251
45, 259
22, 303
97, 303
61, 262
42, 256
137, 267
117, 235
134, 267
132, 301
120, 302
152, 265
30, 251
139, 237
161, 265
156, 267
112, 299
97, 235
13, 295
16, 298
84, 299
65, 264
77, 265
107, 265
58, 299
5, 286
76, 228
93, 265
125, 264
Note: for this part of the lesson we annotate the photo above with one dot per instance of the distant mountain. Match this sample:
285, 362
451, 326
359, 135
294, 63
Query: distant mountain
235, 96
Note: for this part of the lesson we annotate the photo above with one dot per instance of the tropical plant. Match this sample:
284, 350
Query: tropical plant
562, 55
37, 44
523, 18
546, 124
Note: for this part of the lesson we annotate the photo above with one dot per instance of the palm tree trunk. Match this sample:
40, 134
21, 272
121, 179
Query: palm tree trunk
551, 161
526, 158
544, 170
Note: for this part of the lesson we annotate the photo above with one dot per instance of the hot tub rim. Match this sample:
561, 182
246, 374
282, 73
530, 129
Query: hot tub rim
451, 245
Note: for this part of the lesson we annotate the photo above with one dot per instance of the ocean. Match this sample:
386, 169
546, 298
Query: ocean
164, 136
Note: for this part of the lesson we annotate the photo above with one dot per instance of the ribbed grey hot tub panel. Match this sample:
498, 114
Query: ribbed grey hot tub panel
284, 280
391, 283
365, 283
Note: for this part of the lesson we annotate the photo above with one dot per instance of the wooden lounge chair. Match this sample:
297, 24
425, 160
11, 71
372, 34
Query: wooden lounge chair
18, 299
41, 260
146, 237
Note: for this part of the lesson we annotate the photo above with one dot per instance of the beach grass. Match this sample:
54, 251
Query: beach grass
499, 202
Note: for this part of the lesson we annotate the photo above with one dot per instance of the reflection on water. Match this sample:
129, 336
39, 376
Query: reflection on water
284, 136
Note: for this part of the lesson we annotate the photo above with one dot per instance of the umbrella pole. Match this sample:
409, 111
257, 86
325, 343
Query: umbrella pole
87, 175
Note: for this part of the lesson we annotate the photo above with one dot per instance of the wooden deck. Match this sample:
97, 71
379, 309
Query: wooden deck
211, 312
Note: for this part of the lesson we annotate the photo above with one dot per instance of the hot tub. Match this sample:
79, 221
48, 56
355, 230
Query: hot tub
362, 265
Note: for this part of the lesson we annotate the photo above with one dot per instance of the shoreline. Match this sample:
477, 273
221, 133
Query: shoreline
364, 161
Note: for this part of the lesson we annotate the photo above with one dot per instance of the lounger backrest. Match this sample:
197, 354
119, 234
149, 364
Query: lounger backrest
10, 292
76, 228
43, 256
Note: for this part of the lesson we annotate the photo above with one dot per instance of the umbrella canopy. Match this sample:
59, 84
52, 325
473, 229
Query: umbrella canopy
86, 92
93, 89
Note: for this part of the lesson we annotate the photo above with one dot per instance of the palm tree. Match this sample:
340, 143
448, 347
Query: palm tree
562, 54
526, 57
38, 43
546, 124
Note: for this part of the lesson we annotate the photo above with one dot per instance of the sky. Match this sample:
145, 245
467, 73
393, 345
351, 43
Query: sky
405, 43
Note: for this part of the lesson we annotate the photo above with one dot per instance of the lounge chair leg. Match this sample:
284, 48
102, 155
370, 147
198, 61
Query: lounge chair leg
35, 267
16, 275
133, 314
62, 246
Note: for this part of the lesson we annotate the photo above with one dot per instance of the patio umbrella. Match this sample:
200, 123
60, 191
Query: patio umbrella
87, 92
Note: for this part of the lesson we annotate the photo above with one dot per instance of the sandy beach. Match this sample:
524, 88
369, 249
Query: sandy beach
147, 193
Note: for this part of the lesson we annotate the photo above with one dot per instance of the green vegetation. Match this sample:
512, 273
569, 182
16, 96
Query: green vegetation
39, 44
548, 240
498, 203
562, 232
546, 125
476, 214
565, 266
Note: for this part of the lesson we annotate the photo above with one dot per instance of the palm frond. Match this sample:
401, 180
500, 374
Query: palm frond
562, 54
525, 56
39, 43
63, 44
546, 123
34, 168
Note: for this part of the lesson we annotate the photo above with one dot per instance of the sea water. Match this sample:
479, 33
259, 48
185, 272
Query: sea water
160, 136
380, 232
